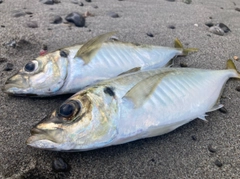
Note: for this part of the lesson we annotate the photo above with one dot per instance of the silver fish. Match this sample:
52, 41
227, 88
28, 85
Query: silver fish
130, 107
69, 70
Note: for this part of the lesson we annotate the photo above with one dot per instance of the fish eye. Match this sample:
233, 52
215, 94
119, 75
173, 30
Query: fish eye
31, 66
68, 109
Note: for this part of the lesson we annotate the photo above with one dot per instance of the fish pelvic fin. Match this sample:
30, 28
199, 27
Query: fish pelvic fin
231, 65
179, 45
131, 71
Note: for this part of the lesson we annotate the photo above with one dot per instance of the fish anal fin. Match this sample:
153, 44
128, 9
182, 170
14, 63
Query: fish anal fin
130, 71
139, 93
216, 107
203, 117
90, 48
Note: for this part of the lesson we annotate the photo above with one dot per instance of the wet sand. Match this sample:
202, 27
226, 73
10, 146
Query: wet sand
196, 150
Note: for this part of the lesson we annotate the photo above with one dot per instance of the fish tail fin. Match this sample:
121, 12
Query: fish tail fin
179, 45
231, 65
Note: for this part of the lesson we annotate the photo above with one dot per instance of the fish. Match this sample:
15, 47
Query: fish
68, 70
132, 106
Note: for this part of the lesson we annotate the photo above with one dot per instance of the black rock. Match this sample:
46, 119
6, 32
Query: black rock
212, 149
150, 34
2, 26
218, 163
88, 0
8, 67
237, 9
171, 27
2, 59
238, 88
28, 12
81, 4
59, 165
56, 1
48, 2
209, 24
223, 27
55, 19
18, 13
32, 24
194, 137
223, 110
187, 1
113, 14
76, 18
1, 1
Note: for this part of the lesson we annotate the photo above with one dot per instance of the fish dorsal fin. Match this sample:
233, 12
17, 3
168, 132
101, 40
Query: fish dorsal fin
142, 90
130, 71
90, 48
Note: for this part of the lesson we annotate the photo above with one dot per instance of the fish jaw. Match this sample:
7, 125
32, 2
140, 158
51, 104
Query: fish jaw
47, 77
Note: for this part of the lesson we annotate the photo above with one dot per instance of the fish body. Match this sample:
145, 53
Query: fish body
131, 107
71, 69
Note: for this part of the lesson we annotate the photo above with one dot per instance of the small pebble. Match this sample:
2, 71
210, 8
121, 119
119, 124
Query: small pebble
238, 88
150, 34
211, 148
235, 58
95, 6
221, 7
8, 67
74, 1
28, 12
194, 137
55, 19
218, 163
1, 1
18, 13
223, 110
56, 1
216, 30
196, 25
223, 27
32, 24
88, 0
113, 14
209, 24
81, 4
59, 165
237, 9
210, 17
187, 1
48, 2
2, 59
2, 26
76, 18
44, 47
184, 65
171, 27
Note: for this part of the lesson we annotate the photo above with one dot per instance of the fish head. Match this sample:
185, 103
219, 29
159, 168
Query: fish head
85, 121
44, 75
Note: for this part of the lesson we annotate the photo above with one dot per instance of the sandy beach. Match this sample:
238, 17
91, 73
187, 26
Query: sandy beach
196, 150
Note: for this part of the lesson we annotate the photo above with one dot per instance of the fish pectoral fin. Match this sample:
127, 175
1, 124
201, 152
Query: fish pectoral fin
216, 107
142, 90
203, 117
90, 48
130, 71
178, 44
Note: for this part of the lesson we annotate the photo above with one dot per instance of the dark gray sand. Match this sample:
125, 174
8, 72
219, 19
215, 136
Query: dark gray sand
195, 150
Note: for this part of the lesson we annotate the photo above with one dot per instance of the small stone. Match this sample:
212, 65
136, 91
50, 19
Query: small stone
76, 18
221, 7
2, 59
209, 35
218, 163
211, 148
223, 27
196, 25
49, 28
223, 110
28, 12
235, 58
95, 6
44, 47
113, 14
171, 27
59, 165
32, 24
74, 1
216, 30
48, 2
184, 65
56, 1
55, 19
238, 88
187, 1
237, 9
209, 24
1, 1
18, 13
2, 26
8, 67
81, 4
150, 34
210, 17
194, 137
88, 0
